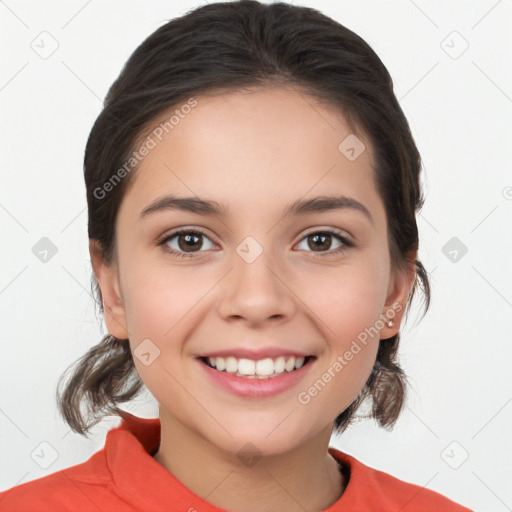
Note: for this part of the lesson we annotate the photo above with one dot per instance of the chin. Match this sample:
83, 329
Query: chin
266, 436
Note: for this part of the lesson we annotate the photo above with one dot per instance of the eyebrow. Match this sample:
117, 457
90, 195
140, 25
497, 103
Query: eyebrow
206, 207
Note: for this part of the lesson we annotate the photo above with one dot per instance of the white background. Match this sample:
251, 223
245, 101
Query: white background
457, 358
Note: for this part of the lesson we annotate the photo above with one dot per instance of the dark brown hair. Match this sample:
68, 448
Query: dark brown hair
231, 46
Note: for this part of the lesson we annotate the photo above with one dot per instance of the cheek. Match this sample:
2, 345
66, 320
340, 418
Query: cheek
336, 385
162, 306
157, 298
349, 303
347, 300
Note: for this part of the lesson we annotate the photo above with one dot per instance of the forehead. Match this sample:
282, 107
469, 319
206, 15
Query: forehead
252, 149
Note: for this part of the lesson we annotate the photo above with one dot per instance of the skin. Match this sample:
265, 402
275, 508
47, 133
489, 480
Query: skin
256, 152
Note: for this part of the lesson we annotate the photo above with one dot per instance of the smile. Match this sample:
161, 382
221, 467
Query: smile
256, 379
267, 368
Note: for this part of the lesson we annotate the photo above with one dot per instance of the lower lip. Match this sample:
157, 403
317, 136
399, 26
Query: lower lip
256, 388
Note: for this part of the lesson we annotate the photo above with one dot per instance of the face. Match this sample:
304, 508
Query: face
254, 278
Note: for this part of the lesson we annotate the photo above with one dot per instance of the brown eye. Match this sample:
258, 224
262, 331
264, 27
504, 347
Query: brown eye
184, 243
321, 241
189, 242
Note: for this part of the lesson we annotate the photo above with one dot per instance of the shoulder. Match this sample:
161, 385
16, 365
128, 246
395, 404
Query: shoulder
82, 487
107, 481
370, 488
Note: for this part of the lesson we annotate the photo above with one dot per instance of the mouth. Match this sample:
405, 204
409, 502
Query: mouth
263, 369
256, 379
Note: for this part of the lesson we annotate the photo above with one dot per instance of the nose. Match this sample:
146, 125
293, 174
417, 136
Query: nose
256, 292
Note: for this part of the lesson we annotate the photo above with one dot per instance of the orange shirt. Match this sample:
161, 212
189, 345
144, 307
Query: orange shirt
123, 477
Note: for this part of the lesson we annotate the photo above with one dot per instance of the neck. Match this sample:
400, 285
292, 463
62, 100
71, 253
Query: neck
306, 477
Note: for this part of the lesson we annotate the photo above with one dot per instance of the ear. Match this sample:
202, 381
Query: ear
108, 279
399, 287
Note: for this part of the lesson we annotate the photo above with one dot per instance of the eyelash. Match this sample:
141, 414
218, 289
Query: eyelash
347, 244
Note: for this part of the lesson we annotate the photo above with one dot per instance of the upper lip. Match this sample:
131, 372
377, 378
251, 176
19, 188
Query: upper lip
247, 353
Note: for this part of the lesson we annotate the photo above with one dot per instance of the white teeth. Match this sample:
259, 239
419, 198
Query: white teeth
261, 369
299, 362
279, 364
246, 367
231, 365
264, 367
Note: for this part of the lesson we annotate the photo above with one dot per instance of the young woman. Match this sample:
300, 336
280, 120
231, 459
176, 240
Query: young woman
252, 185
